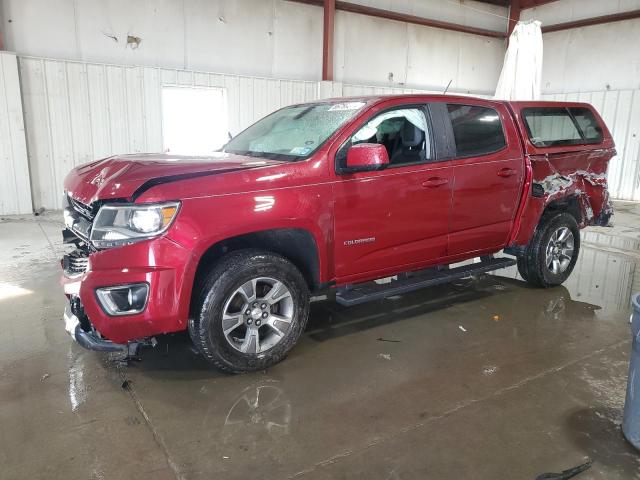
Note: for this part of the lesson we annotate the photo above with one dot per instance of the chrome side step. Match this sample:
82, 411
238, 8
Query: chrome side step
365, 292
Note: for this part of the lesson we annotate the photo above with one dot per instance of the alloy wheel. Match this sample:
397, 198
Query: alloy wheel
559, 251
257, 315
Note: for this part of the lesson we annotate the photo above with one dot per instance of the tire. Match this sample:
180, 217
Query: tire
523, 269
193, 334
259, 333
547, 262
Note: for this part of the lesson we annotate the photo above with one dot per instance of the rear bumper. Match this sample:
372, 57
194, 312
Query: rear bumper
161, 263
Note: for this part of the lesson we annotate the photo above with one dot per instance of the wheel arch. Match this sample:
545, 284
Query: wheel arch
295, 244
538, 209
571, 204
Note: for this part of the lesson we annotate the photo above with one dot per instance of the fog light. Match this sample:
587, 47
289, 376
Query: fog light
123, 299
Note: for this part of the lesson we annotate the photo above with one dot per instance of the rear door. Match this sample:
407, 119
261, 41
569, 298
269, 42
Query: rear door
488, 173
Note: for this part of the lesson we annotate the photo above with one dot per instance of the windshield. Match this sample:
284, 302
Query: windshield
293, 133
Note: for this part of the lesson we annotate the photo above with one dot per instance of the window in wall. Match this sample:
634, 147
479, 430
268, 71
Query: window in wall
403, 132
477, 130
555, 126
194, 119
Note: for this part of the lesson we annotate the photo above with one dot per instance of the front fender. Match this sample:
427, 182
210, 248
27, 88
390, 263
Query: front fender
205, 221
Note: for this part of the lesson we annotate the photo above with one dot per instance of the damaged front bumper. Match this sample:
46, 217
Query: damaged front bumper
88, 339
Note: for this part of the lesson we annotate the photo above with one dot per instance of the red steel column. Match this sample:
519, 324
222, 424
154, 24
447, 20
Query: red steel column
327, 40
514, 17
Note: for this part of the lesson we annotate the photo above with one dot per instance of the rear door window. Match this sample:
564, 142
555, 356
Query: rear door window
557, 126
477, 130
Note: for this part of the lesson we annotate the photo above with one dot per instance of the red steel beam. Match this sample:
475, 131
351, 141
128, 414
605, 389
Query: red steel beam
498, 3
403, 17
524, 4
514, 16
327, 39
615, 17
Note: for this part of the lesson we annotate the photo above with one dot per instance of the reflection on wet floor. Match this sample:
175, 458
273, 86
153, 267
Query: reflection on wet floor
602, 278
362, 376
467, 380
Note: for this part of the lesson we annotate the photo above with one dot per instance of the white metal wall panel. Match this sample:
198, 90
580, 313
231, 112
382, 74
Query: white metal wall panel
275, 38
76, 112
15, 194
620, 110
351, 90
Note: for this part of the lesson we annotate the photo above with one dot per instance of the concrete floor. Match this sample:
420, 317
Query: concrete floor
482, 379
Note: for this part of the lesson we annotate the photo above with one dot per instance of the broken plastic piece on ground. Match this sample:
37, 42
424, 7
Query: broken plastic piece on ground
566, 474
388, 340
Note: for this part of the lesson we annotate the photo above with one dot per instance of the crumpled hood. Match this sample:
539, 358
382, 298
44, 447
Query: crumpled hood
126, 176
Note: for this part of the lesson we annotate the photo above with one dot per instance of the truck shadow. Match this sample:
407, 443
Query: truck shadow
328, 320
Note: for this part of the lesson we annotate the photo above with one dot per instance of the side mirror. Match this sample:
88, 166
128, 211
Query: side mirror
366, 157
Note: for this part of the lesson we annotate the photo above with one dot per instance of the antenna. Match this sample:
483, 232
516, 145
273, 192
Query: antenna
447, 87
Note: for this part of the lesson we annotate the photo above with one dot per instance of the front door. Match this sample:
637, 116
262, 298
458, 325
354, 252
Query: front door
397, 218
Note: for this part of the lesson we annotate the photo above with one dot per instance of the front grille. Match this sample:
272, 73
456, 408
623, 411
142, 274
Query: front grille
79, 218
83, 209
76, 262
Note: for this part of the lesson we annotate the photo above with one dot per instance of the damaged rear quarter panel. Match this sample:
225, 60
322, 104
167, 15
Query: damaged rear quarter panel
572, 177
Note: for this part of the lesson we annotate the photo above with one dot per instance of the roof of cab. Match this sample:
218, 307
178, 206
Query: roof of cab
380, 98
517, 105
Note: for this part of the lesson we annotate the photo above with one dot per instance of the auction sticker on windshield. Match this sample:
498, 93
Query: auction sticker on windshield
346, 106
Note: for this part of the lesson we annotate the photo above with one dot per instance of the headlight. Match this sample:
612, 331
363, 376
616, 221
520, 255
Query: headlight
117, 225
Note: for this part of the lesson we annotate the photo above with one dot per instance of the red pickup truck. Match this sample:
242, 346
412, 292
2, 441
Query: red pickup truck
326, 196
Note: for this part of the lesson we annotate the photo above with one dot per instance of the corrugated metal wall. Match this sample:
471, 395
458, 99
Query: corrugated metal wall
621, 112
76, 112
15, 193
350, 90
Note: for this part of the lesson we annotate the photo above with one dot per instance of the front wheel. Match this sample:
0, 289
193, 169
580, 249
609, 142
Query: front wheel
551, 255
252, 309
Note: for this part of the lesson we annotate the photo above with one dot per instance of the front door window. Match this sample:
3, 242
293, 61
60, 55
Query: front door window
403, 132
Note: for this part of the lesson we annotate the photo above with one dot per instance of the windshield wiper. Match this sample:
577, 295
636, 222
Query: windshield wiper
254, 154
303, 113
246, 153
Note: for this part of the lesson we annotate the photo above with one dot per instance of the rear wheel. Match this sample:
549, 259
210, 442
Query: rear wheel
551, 255
252, 309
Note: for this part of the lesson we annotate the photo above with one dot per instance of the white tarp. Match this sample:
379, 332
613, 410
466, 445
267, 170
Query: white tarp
522, 70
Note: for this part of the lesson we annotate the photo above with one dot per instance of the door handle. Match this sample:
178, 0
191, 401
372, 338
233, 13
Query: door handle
434, 182
506, 172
